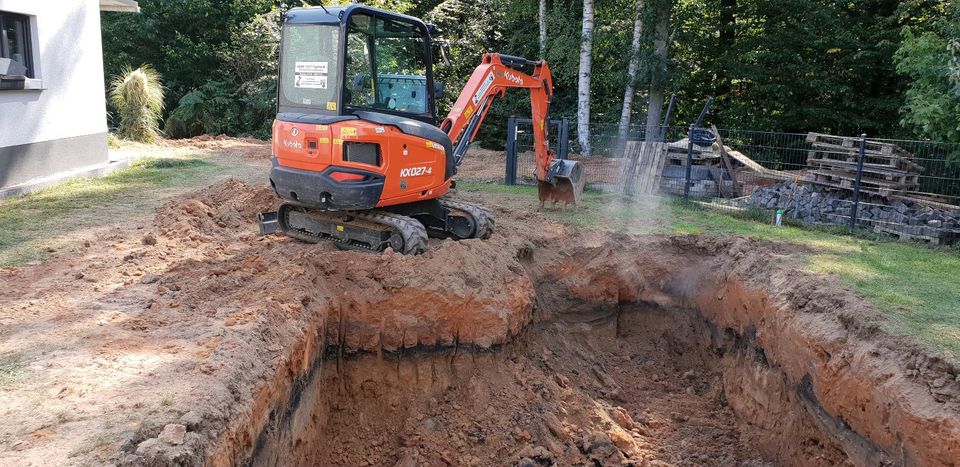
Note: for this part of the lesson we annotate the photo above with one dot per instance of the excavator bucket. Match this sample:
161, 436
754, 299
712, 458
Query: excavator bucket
564, 183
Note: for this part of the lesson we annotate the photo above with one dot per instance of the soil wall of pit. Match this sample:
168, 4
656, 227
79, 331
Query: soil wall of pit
807, 372
543, 399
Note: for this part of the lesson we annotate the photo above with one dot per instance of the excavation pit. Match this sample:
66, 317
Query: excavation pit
646, 384
555, 346
542, 344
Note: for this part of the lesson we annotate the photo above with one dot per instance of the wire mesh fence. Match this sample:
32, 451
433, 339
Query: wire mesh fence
905, 188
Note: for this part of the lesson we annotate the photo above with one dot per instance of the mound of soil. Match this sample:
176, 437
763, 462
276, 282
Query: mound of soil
208, 214
458, 292
482, 165
246, 147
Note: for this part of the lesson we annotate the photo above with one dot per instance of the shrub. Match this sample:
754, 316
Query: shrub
112, 141
208, 109
241, 98
137, 96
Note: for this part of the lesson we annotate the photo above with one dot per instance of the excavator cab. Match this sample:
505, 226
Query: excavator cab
339, 60
356, 122
358, 157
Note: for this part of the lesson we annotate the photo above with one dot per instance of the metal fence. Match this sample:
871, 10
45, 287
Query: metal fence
905, 188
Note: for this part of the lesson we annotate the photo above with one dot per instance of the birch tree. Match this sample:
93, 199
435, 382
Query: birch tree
628, 91
543, 29
583, 84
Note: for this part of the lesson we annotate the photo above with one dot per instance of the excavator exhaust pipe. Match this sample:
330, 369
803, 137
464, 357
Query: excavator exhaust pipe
564, 183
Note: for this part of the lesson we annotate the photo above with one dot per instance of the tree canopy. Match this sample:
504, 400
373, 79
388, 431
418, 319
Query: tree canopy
887, 68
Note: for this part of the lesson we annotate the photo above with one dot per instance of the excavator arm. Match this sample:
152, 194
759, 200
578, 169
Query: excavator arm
558, 180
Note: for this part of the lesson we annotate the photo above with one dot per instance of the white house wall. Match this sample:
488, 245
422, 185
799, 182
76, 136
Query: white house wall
61, 126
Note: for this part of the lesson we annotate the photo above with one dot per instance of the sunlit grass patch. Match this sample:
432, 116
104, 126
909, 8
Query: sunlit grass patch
843, 266
11, 368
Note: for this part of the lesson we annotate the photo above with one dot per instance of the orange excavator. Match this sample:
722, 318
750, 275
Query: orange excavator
357, 156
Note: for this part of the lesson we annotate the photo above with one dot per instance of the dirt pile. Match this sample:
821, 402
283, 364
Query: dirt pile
210, 213
249, 148
459, 292
482, 165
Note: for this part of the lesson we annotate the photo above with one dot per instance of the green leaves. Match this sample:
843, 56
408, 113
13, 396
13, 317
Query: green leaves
183, 39
885, 67
930, 60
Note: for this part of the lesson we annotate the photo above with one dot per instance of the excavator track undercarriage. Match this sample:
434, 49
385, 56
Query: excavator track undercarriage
405, 232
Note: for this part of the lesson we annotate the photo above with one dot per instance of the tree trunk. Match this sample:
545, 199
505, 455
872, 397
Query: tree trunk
543, 29
661, 37
658, 78
625, 114
583, 85
728, 36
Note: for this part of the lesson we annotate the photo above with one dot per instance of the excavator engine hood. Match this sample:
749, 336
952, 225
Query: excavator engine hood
563, 184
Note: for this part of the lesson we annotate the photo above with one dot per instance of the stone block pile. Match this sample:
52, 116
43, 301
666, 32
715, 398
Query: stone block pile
905, 218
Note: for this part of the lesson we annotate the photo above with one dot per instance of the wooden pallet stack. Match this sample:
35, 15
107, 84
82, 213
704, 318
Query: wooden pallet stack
643, 165
887, 169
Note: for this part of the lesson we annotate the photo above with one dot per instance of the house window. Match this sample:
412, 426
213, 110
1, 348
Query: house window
15, 40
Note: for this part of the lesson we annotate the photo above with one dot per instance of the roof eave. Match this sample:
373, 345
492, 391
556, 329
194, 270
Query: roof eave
123, 6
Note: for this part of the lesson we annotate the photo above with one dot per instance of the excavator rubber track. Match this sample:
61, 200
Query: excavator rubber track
479, 216
362, 230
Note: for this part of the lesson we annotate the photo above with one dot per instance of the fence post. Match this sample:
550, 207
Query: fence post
564, 138
856, 185
686, 178
510, 177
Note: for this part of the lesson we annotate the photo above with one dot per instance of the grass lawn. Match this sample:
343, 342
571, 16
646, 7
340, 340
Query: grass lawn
33, 225
915, 284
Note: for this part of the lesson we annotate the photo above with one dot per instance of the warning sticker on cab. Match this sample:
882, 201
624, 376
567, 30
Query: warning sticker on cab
346, 132
310, 75
311, 68
310, 81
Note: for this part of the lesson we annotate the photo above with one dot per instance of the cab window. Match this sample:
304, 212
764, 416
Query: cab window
308, 67
385, 66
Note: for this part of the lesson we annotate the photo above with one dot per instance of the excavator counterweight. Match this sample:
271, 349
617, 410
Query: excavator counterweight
357, 156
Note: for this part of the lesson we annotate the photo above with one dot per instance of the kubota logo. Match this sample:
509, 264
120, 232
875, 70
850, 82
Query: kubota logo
294, 131
415, 171
512, 77
292, 144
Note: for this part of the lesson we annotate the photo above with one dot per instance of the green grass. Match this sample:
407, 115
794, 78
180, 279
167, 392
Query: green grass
11, 367
31, 224
916, 285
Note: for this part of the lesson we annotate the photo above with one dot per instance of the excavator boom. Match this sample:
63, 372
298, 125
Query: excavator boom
558, 180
